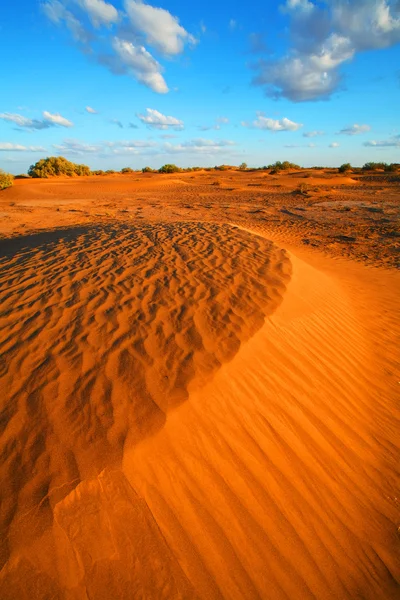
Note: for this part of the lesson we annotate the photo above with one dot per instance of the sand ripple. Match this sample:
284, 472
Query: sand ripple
103, 330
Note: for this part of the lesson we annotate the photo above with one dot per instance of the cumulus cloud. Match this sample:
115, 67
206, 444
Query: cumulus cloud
334, 145
355, 129
324, 36
49, 120
91, 110
9, 147
161, 29
263, 122
57, 119
392, 142
59, 15
314, 133
141, 64
99, 12
156, 120
126, 53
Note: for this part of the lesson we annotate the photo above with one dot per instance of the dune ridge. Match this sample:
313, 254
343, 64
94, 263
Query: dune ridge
104, 329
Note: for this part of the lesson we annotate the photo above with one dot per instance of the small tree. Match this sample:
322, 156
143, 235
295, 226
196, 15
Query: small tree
6, 180
345, 167
55, 166
169, 169
243, 166
147, 170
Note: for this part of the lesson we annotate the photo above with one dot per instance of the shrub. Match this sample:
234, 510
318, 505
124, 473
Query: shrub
55, 166
110, 172
243, 166
283, 166
147, 170
392, 168
126, 170
98, 172
6, 180
374, 166
345, 167
169, 169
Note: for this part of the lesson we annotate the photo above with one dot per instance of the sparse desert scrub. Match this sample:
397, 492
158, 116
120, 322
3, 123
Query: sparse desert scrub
54, 166
345, 167
6, 180
169, 168
282, 166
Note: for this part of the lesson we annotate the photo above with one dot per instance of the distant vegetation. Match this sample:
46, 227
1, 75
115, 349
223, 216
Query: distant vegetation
55, 166
169, 169
381, 166
282, 166
58, 165
345, 168
6, 180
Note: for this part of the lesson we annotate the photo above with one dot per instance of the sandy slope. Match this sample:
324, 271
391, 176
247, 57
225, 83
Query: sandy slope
160, 439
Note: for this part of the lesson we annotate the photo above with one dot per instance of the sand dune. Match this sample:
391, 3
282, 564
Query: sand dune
190, 411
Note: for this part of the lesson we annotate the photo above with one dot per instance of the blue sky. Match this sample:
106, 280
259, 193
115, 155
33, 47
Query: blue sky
131, 83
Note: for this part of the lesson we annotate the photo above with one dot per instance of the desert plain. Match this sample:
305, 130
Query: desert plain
200, 386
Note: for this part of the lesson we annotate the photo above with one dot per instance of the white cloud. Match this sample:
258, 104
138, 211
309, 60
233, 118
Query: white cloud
99, 12
58, 14
57, 119
91, 110
49, 120
232, 24
161, 29
200, 146
9, 147
297, 5
334, 145
314, 133
301, 77
355, 129
105, 148
157, 120
392, 142
141, 64
324, 37
217, 125
71, 146
273, 124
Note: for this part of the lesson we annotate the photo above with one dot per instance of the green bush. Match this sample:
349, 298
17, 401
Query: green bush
283, 166
127, 170
374, 166
147, 170
6, 180
169, 169
345, 167
243, 166
98, 172
55, 166
392, 168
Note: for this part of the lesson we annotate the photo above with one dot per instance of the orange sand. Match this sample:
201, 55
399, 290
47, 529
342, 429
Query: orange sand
189, 409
